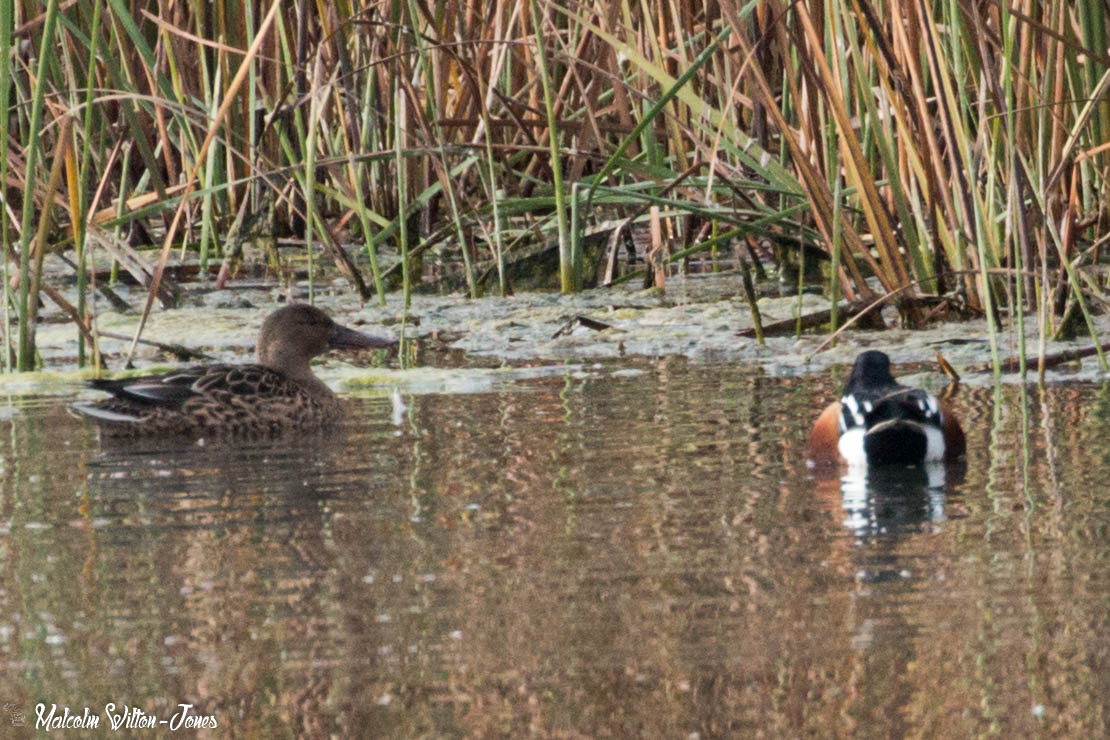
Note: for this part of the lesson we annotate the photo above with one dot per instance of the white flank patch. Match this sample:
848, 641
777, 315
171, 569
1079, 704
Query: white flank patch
851, 443
851, 447
936, 473
934, 443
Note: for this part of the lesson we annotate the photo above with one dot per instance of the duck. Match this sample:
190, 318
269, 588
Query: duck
279, 393
879, 421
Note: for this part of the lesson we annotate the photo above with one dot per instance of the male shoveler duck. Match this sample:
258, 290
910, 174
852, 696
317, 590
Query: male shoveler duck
878, 421
279, 393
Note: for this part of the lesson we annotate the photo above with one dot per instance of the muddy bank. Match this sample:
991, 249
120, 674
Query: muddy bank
698, 317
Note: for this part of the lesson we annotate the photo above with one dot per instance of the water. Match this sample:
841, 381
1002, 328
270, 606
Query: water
630, 550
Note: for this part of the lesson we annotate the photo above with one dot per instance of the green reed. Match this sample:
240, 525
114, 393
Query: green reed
951, 156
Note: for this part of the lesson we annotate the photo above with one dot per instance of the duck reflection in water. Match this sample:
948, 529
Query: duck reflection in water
899, 445
891, 499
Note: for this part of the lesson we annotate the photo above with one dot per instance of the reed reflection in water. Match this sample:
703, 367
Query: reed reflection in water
634, 549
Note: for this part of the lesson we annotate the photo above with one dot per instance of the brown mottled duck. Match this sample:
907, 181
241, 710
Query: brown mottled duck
277, 394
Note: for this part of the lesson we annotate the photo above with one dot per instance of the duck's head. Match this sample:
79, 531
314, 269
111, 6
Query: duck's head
871, 370
293, 335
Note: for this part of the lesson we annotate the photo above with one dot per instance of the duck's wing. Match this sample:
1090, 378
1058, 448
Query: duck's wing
174, 389
170, 390
894, 403
256, 381
185, 396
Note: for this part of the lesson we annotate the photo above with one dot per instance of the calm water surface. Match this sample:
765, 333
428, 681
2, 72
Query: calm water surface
598, 554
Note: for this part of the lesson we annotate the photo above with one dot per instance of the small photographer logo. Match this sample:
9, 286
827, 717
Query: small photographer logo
18, 717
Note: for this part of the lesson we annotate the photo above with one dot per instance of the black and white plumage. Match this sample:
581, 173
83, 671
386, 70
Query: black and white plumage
879, 421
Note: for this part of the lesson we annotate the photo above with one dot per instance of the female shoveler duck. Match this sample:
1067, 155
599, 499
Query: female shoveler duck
878, 421
277, 394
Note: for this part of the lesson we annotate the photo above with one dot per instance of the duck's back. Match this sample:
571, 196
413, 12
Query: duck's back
235, 400
892, 424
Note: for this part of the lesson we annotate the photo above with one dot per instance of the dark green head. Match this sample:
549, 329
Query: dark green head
870, 371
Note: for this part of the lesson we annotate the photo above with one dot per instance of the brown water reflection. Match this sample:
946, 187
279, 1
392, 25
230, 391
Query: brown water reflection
589, 555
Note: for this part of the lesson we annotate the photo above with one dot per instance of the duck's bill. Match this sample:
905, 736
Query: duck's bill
344, 338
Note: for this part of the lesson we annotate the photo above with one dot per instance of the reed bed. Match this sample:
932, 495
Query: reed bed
948, 158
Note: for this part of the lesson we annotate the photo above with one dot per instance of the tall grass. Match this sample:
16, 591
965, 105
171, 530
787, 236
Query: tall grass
948, 157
